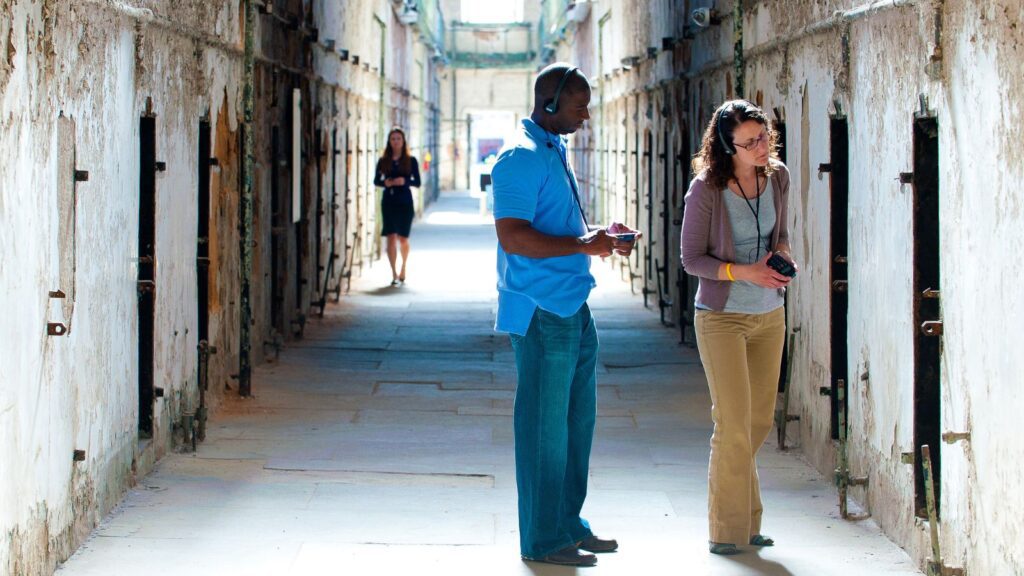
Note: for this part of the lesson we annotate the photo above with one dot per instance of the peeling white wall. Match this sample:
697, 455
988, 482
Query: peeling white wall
976, 102
102, 65
976, 96
982, 211
76, 391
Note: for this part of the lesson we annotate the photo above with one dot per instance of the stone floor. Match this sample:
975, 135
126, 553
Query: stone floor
381, 444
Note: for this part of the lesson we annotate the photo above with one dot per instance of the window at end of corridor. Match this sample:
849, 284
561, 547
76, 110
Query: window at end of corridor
492, 12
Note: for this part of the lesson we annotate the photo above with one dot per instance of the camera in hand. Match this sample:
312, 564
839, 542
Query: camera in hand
781, 265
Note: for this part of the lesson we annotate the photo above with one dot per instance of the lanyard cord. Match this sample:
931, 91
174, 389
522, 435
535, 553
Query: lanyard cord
756, 213
568, 174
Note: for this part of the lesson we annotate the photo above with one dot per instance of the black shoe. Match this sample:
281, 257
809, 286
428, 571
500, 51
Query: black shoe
722, 548
597, 545
569, 556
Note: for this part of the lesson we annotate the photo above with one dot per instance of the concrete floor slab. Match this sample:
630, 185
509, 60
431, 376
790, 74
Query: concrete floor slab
381, 444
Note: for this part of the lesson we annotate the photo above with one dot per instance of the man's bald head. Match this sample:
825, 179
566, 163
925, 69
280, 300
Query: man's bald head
573, 107
547, 83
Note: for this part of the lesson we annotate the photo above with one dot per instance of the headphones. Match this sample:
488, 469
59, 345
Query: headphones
552, 107
729, 148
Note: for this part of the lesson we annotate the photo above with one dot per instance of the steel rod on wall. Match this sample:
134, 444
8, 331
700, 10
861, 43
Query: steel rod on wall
246, 204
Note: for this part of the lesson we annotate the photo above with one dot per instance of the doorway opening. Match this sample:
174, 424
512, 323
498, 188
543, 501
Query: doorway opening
146, 271
487, 130
662, 265
927, 310
839, 249
277, 229
780, 129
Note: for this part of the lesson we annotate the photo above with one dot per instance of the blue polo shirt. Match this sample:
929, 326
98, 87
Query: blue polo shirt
532, 182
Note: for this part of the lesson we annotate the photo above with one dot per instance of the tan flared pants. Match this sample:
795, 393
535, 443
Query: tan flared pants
742, 355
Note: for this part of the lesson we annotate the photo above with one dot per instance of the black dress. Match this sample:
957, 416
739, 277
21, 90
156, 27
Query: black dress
397, 208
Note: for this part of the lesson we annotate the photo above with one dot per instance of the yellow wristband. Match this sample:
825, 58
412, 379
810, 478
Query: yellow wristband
728, 272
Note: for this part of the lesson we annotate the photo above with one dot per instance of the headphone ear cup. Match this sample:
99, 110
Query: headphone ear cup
551, 108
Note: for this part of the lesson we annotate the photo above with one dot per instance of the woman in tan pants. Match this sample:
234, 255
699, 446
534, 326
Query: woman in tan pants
735, 239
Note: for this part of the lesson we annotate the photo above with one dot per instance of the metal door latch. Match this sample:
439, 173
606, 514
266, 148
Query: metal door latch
932, 328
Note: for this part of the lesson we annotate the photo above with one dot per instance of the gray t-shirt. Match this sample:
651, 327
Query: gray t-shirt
747, 297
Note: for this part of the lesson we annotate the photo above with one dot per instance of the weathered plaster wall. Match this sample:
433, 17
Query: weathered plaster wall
74, 81
981, 168
974, 92
879, 90
90, 64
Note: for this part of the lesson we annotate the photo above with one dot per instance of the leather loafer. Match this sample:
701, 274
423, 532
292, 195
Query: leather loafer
569, 556
597, 545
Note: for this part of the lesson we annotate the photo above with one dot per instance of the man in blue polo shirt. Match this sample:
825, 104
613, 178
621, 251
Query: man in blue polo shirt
545, 245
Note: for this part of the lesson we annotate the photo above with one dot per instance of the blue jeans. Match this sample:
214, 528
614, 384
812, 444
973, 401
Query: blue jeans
555, 412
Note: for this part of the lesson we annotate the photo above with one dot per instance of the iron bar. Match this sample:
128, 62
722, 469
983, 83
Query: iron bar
935, 562
842, 474
782, 416
246, 204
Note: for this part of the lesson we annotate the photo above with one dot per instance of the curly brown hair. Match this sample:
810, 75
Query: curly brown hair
712, 160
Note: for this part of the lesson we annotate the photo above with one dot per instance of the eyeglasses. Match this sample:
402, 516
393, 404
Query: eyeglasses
752, 144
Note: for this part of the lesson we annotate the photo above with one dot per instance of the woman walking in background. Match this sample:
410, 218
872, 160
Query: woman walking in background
735, 239
397, 171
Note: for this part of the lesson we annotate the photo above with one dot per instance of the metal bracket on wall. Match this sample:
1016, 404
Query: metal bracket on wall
843, 478
951, 437
298, 324
934, 564
923, 110
56, 328
837, 110
782, 415
932, 328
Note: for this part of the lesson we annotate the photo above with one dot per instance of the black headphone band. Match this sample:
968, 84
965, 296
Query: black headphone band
552, 108
729, 149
